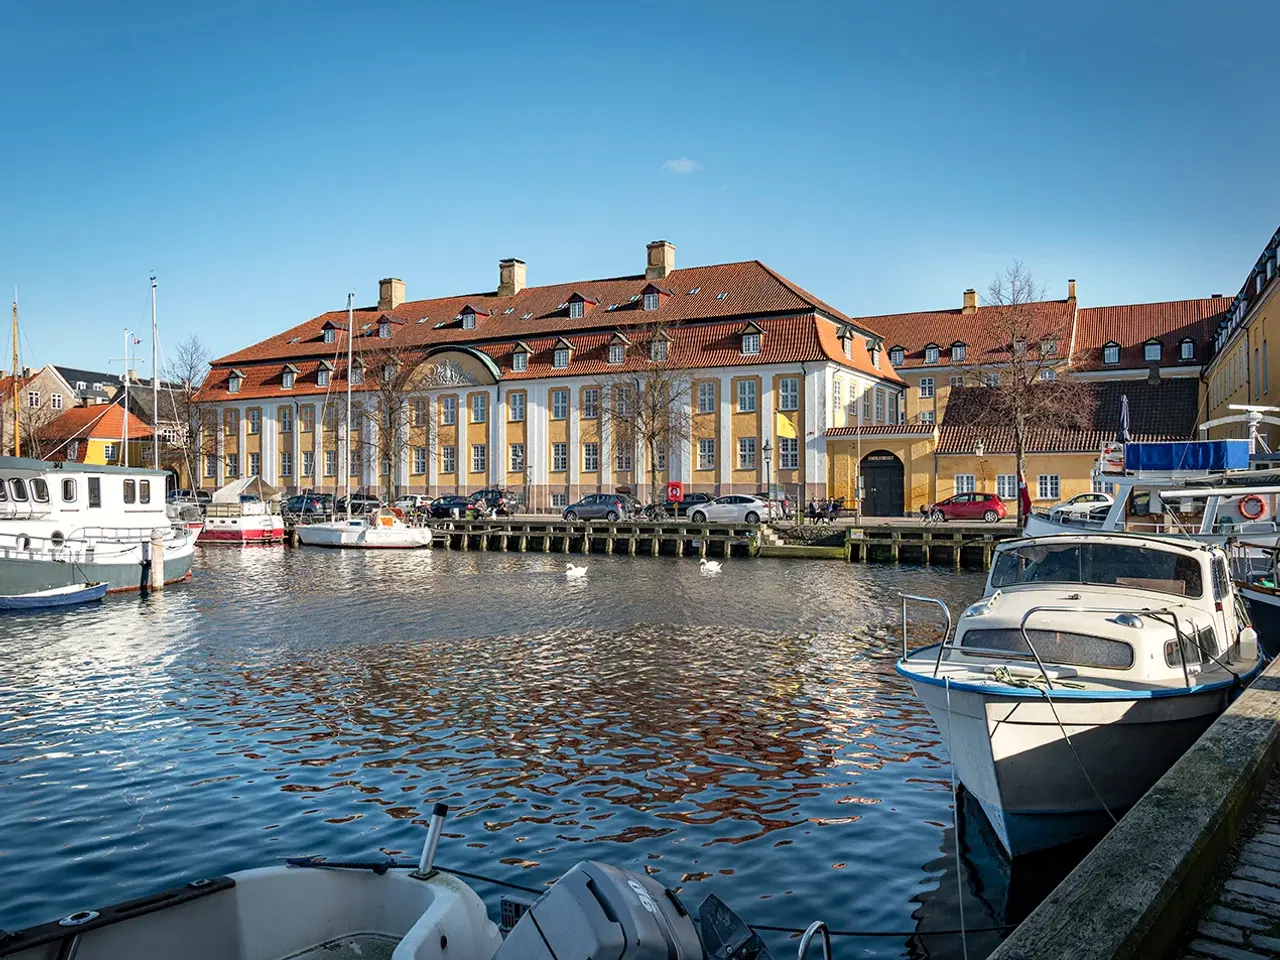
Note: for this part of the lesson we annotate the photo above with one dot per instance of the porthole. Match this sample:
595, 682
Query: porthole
57, 538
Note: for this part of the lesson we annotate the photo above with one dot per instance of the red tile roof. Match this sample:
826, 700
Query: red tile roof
1158, 412
101, 422
1132, 325
985, 332
6, 384
884, 430
705, 314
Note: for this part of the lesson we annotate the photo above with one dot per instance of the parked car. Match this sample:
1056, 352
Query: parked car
201, 497
969, 506
309, 503
1080, 506
597, 506
360, 503
413, 502
451, 506
690, 501
505, 502
735, 508
633, 505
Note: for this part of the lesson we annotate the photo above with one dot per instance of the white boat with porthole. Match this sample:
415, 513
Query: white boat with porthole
65, 523
382, 530
245, 511
316, 909
1091, 663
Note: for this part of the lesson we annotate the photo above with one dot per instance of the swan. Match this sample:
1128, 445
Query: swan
573, 573
709, 566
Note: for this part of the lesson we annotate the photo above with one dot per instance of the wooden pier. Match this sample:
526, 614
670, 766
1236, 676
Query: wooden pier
671, 538
951, 545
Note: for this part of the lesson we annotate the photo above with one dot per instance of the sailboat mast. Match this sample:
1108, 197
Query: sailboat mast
155, 382
17, 440
124, 421
346, 467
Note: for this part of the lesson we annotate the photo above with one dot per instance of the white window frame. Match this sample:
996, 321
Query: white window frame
560, 358
591, 457
480, 458
1187, 350
658, 351
954, 382
926, 387
706, 454
1007, 486
1152, 352
746, 453
560, 500
233, 460
750, 344
419, 412
964, 483
515, 458
747, 398
515, 406
288, 379
651, 300
617, 353
879, 405
789, 393
590, 403
322, 378
932, 354
559, 457
308, 463
448, 411
623, 459
419, 460
285, 417
707, 396
927, 416
1110, 353
577, 309
330, 335
1048, 373
959, 351
331, 463
210, 465
253, 422
479, 408
468, 320
286, 463
519, 361
559, 404
788, 453
55, 401
1049, 486
449, 458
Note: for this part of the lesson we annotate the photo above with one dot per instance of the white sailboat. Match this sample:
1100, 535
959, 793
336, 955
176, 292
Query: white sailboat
385, 530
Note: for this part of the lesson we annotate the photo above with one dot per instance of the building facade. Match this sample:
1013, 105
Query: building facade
42, 396
724, 377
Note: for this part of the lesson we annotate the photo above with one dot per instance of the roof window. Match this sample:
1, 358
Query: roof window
508, 311
897, 355
931, 353
651, 300
423, 319
1187, 349
527, 316
291, 340
1152, 351
330, 335
722, 294
1111, 352
959, 351
694, 290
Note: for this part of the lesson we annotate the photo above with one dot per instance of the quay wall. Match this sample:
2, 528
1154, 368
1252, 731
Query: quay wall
1136, 893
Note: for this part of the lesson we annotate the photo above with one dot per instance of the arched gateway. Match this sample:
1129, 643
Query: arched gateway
883, 479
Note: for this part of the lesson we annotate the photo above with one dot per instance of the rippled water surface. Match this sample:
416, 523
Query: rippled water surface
742, 733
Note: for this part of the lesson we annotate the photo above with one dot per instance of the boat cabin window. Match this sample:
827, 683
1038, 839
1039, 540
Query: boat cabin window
4, 496
39, 490
130, 491
69, 490
1106, 564
1221, 580
1052, 646
95, 491
144, 491
18, 490
1197, 649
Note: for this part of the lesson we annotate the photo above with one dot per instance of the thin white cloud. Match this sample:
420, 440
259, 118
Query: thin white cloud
683, 165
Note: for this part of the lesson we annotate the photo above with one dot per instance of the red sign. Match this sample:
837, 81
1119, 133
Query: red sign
675, 491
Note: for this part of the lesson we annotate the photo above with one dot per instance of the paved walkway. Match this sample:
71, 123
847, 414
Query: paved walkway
1244, 921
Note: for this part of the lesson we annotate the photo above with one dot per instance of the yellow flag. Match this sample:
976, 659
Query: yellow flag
784, 426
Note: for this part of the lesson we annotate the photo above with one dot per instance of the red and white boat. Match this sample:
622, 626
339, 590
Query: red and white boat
245, 511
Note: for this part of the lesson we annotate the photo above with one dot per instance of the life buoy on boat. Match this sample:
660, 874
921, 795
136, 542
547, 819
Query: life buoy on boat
1253, 507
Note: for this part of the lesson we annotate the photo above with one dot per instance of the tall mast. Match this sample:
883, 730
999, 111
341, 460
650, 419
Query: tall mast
346, 467
124, 421
155, 382
17, 440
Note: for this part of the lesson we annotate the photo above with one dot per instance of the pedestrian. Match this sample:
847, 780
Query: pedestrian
812, 511
832, 511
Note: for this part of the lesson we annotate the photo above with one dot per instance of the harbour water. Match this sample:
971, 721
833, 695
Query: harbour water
742, 733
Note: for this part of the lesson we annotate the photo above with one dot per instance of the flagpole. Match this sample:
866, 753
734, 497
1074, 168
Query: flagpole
155, 382
124, 421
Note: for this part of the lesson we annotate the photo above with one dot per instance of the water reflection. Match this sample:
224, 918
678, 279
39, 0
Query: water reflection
742, 734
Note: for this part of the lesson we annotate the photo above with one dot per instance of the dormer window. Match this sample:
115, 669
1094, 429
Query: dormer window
651, 300
1111, 352
846, 343
234, 381
617, 353
1187, 349
958, 352
384, 330
873, 348
520, 361
1049, 347
1152, 351
577, 309
330, 334
357, 372
388, 372
931, 353
897, 355
658, 351
1019, 347
289, 377
560, 356
750, 344
81, 385
468, 320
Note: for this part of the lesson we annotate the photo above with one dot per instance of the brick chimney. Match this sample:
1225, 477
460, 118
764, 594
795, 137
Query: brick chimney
970, 301
511, 277
390, 293
1071, 292
662, 260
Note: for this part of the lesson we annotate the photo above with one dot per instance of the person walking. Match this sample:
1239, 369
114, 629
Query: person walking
812, 511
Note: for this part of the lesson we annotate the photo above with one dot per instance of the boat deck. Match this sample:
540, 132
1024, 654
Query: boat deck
1066, 679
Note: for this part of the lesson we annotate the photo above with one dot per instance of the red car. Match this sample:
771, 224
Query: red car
969, 506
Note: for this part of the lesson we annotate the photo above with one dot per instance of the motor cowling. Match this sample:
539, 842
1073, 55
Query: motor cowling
600, 911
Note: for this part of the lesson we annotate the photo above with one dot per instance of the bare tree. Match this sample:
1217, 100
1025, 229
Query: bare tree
390, 418
648, 403
189, 445
31, 424
1026, 370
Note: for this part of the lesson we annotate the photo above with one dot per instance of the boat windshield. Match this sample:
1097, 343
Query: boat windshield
1109, 564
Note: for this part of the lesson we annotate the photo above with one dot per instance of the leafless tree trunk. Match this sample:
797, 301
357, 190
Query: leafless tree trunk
648, 402
1027, 369
31, 423
186, 369
391, 381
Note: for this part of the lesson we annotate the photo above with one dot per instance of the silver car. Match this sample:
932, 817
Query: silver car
735, 508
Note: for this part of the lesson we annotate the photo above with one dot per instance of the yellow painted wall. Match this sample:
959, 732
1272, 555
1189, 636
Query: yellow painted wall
794, 419
1245, 371
916, 455
476, 433
447, 436
744, 425
706, 426
517, 433
588, 432
1074, 470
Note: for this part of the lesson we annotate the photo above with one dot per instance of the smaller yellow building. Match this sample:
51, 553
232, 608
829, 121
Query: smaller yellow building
95, 435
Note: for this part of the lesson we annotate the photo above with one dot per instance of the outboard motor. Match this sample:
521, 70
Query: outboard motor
599, 911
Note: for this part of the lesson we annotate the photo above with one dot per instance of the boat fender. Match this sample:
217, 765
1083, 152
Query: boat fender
1252, 507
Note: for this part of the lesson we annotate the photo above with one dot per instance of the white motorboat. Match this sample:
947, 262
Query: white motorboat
65, 523
384, 530
1092, 662
245, 511
320, 910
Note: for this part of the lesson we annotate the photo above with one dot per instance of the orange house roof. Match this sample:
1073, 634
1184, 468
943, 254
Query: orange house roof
101, 422
1132, 325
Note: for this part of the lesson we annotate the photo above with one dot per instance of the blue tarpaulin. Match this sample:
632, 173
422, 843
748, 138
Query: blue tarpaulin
1187, 455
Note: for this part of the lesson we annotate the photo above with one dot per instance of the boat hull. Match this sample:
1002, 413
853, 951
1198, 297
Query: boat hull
1264, 612
266, 528
25, 575
55, 597
360, 537
1010, 753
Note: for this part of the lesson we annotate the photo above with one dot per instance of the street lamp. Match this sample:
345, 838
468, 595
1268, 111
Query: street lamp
978, 450
768, 476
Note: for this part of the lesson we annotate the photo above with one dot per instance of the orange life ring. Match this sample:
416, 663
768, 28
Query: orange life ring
1253, 507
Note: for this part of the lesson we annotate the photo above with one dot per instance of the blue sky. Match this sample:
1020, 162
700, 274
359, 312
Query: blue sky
264, 159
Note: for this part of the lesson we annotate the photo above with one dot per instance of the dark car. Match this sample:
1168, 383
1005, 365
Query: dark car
309, 503
633, 506
449, 507
505, 502
360, 503
597, 506
969, 506
690, 501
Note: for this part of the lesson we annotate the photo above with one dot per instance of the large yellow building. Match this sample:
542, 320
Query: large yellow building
527, 388
1240, 372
